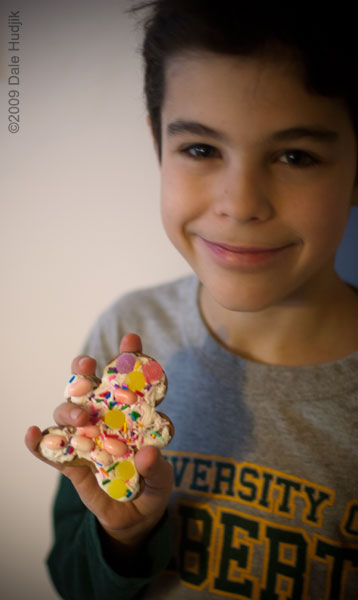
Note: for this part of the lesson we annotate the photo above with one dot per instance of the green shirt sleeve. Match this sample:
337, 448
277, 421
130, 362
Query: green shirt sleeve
76, 562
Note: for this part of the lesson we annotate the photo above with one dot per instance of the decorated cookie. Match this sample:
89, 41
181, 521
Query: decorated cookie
123, 419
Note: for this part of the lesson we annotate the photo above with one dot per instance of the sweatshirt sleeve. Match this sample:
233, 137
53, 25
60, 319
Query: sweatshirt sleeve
76, 561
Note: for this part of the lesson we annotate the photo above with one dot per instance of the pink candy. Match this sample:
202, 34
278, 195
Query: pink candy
152, 371
89, 431
114, 447
80, 387
83, 444
54, 442
125, 396
125, 363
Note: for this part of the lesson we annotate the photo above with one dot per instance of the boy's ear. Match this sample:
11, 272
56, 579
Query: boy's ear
155, 143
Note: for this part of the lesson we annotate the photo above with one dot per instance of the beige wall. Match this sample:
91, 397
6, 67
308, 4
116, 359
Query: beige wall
79, 226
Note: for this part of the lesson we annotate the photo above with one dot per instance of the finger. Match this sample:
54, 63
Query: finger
131, 342
84, 365
77, 474
155, 470
68, 413
32, 440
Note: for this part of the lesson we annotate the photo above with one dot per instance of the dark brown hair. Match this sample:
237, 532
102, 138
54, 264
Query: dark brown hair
320, 37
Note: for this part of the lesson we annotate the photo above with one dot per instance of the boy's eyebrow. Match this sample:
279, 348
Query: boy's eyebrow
294, 133
314, 133
182, 126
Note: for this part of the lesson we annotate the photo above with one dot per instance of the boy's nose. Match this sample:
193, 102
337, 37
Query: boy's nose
243, 195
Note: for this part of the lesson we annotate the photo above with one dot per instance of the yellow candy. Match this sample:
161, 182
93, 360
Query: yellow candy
117, 488
136, 381
125, 470
114, 419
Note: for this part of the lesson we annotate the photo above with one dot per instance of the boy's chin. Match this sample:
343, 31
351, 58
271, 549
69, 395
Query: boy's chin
227, 299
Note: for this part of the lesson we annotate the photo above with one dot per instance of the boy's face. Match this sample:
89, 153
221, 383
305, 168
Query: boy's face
258, 177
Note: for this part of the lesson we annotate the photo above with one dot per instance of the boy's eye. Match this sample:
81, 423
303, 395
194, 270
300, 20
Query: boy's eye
200, 151
298, 158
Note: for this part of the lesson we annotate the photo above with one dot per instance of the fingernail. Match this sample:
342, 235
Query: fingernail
75, 413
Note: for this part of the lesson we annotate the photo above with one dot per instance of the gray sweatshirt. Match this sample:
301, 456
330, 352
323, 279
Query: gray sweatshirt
265, 504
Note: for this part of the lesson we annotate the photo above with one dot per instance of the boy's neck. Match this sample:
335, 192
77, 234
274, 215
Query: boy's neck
321, 330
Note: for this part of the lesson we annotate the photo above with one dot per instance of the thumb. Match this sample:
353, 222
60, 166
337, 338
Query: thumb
156, 471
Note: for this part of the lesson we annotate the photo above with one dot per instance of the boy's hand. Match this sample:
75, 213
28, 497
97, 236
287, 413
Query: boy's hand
130, 522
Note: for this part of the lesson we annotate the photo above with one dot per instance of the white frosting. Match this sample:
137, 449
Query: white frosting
56, 454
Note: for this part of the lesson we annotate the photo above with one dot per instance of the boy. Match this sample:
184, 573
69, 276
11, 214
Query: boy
254, 125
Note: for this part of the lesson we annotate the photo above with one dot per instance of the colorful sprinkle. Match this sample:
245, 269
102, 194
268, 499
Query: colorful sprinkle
112, 467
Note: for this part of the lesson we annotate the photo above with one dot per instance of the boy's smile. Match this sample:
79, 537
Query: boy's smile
244, 258
258, 176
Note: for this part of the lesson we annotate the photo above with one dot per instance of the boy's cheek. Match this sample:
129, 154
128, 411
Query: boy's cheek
172, 224
176, 231
168, 215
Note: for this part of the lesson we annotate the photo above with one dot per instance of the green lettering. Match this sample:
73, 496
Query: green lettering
351, 524
200, 474
288, 486
340, 556
222, 477
293, 569
239, 555
246, 473
194, 544
179, 473
265, 490
315, 503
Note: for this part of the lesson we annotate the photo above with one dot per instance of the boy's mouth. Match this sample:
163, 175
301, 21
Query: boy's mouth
244, 256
